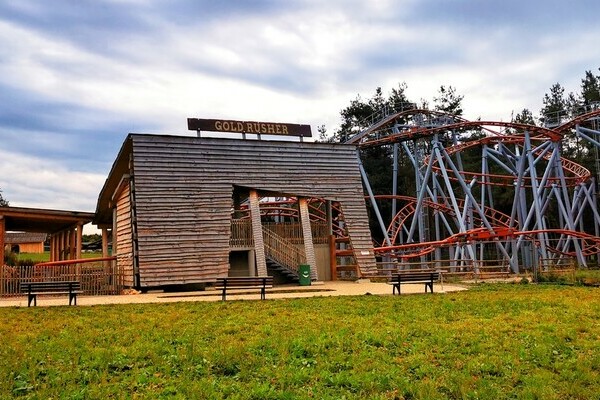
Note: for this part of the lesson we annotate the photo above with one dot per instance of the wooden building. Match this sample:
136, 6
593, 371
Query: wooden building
25, 242
171, 203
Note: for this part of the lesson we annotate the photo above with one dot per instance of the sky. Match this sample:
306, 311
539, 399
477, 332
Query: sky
76, 76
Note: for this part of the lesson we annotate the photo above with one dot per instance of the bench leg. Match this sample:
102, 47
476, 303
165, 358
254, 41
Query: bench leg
223, 295
31, 297
263, 294
73, 297
396, 286
430, 285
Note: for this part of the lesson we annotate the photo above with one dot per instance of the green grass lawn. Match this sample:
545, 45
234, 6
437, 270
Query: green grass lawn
492, 342
44, 257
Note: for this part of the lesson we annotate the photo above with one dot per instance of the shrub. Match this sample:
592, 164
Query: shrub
11, 259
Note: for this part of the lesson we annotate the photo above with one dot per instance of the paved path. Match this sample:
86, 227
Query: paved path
337, 288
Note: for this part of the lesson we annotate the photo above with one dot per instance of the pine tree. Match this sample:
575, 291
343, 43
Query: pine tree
3, 202
448, 101
524, 117
555, 106
590, 88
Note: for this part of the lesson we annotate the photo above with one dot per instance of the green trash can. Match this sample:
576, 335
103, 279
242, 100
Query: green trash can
304, 274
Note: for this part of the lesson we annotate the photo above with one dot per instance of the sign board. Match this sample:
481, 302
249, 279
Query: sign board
252, 127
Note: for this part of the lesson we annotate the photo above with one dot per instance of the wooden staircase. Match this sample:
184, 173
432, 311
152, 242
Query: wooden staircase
282, 255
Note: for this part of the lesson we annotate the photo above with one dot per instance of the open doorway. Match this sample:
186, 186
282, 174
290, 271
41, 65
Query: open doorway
284, 234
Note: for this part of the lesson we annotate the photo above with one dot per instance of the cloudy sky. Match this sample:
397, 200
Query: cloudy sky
77, 75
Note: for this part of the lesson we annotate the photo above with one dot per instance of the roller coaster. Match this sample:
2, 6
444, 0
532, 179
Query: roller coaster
548, 213
485, 193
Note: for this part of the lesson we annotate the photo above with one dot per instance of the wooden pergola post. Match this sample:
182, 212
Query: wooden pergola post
64, 244
72, 243
55, 240
60, 246
2, 231
52, 251
79, 244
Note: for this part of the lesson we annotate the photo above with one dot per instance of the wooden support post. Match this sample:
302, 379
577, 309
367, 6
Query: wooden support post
329, 210
76, 251
2, 241
56, 251
251, 263
105, 249
65, 245
257, 233
332, 258
309, 247
52, 249
61, 245
56, 240
332, 247
79, 244
72, 244
105, 242
115, 235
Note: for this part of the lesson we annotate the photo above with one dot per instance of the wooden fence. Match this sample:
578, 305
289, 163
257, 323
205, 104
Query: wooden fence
98, 276
462, 269
482, 269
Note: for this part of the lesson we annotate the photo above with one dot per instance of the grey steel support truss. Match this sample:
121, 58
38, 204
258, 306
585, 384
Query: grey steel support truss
550, 208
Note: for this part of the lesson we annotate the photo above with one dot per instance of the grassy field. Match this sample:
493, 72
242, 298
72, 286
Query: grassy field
493, 342
44, 257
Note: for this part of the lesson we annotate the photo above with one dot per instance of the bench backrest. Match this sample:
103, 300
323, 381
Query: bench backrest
49, 287
416, 276
240, 281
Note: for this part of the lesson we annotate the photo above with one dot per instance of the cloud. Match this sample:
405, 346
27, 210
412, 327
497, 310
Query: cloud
28, 181
76, 77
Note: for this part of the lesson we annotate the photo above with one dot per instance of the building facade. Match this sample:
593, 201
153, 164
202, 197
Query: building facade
171, 202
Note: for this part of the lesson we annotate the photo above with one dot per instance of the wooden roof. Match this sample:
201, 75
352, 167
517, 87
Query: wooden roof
41, 220
24, 237
120, 168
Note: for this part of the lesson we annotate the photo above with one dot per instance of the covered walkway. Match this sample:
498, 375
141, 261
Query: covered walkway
64, 227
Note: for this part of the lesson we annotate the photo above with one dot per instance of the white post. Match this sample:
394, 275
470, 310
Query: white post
257, 233
309, 247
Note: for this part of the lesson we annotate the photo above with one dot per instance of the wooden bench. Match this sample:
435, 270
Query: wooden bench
426, 277
72, 288
244, 282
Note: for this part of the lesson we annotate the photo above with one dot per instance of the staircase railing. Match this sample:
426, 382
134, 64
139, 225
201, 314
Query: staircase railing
282, 251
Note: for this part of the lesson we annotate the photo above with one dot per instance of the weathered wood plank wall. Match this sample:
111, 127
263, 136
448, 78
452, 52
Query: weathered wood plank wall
124, 235
184, 189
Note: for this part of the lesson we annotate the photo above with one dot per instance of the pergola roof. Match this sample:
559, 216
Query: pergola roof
40, 220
